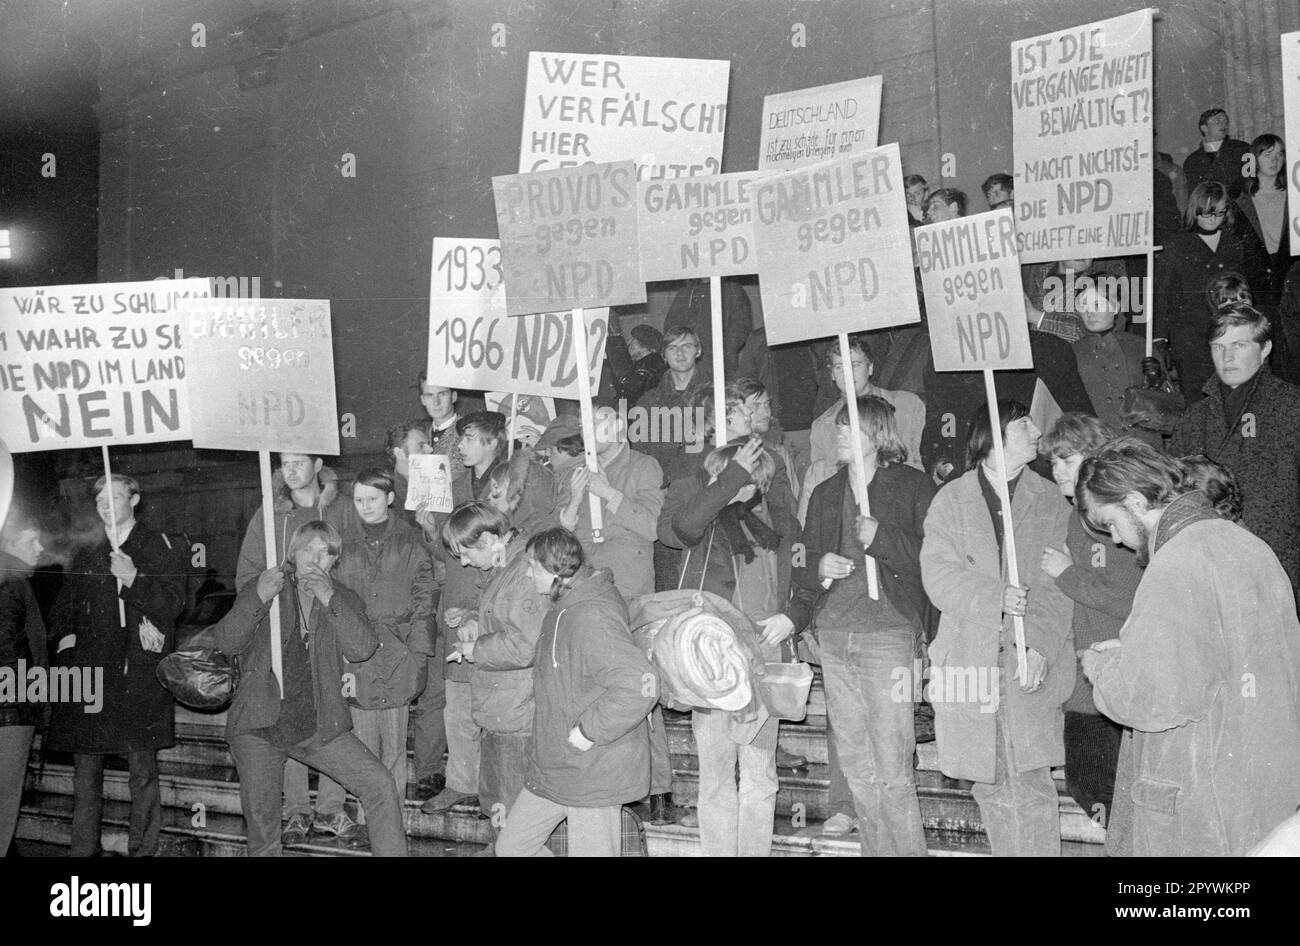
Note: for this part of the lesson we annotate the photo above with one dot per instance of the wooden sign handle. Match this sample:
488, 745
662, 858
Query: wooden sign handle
855, 439
112, 530
272, 559
719, 364
1008, 530
578, 327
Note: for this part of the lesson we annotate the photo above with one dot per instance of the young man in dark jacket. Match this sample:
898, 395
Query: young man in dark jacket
139, 568
1249, 420
304, 716
864, 640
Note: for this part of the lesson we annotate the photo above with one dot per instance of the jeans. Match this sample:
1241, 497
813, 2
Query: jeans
383, 732
875, 735
345, 759
735, 822
661, 764
840, 797
462, 740
1091, 756
593, 832
1021, 811
88, 803
428, 728
15, 744
503, 762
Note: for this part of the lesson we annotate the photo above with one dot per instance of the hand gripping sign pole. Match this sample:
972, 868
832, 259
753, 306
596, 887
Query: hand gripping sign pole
268, 534
578, 327
1008, 532
719, 363
112, 530
855, 439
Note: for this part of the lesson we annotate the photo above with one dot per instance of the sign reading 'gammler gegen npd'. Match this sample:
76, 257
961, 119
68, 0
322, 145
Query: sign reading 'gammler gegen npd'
262, 375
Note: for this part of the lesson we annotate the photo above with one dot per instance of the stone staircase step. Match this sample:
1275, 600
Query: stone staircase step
47, 825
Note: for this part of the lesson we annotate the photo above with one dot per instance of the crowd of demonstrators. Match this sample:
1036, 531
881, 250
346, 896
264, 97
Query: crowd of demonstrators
488, 630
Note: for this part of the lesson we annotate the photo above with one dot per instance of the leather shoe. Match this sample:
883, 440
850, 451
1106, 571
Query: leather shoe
429, 787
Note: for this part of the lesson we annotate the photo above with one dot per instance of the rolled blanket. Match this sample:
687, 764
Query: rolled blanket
706, 650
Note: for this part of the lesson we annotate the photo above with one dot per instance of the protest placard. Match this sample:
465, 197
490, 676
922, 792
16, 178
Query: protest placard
1081, 120
429, 482
568, 238
970, 273
94, 364
666, 115
696, 227
474, 345
1291, 117
262, 375
808, 126
834, 248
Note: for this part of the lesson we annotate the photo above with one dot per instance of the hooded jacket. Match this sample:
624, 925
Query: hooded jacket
1208, 676
510, 615
590, 674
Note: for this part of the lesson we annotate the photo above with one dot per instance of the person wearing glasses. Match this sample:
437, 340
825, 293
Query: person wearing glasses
1208, 246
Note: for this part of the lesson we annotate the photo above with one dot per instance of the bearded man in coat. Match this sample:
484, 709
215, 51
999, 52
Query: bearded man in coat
146, 576
1206, 670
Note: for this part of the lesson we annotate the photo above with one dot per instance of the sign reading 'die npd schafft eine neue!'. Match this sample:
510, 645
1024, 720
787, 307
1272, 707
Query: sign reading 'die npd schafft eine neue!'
95, 364
1082, 132
1291, 112
262, 375
667, 115
834, 248
971, 276
475, 345
568, 238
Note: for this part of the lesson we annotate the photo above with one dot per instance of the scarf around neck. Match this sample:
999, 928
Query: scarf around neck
736, 518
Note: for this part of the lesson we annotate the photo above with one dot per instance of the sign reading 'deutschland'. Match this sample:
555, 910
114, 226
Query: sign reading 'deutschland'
667, 115
475, 345
262, 375
695, 227
1081, 120
834, 248
1291, 113
971, 276
568, 238
818, 124
94, 364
